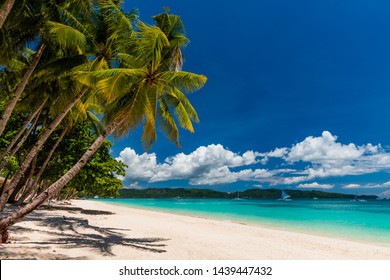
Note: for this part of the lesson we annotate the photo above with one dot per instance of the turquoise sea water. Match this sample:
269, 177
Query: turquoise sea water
365, 221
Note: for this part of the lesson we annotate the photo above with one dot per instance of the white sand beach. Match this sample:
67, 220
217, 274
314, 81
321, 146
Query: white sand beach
97, 230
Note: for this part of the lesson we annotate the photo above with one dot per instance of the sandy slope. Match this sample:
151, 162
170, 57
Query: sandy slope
96, 230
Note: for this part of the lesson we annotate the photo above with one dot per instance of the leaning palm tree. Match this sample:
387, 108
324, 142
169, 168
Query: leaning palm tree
5, 10
102, 53
150, 89
47, 28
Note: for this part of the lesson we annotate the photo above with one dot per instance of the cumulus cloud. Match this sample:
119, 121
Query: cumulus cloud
134, 185
329, 158
315, 185
367, 186
211, 161
206, 165
385, 194
314, 158
351, 186
325, 150
139, 167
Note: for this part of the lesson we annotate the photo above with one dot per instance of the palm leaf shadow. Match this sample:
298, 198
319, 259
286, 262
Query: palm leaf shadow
74, 232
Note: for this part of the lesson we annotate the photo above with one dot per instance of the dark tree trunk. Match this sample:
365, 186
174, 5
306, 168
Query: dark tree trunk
5, 182
18, 188
34, 151
22, 130
14, 217
32, 186
5, 10
19, 145
20, 88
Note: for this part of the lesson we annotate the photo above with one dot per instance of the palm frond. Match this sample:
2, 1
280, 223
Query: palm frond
177, 94
71, 19
149, 135
116, 82
173, 27
130, 111
150, 44
65, 36
185, 81
96, 123
59, 66
166, 123
113, 11
180, 112
127, 60
110, 82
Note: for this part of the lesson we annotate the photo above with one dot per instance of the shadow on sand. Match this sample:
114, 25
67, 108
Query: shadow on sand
73, 232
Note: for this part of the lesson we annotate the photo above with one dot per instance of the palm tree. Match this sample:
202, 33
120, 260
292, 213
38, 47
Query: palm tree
33, 183
47, 31
5, 10
149, 91
5, 157
62, 34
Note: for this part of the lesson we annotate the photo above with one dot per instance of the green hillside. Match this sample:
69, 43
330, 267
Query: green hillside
250, 193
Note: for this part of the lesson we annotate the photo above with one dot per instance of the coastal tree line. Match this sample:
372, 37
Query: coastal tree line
73, 73
246, 194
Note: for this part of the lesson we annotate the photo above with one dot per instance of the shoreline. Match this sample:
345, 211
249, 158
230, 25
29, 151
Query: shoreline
299, 230
367, 238
99, 230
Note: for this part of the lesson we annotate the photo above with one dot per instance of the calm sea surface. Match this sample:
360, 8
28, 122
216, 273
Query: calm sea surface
368, 220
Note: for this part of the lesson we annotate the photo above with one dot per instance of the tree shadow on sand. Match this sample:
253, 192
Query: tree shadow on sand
73, 232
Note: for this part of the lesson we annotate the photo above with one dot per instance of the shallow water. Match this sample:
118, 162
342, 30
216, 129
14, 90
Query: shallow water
365, 221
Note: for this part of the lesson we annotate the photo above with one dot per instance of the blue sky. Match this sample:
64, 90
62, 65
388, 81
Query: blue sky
297, 97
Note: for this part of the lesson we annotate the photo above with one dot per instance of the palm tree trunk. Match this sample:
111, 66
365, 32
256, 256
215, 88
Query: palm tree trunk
31, 187
5, 181
12, 218
19, 187
20, 88
5, 10
14, 196
19, 145
38, 145
17, 136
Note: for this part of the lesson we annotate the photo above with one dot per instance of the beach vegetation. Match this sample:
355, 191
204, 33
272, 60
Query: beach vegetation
90, 70
272, 193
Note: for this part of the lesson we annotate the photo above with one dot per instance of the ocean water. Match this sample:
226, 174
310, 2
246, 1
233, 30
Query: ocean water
356, 220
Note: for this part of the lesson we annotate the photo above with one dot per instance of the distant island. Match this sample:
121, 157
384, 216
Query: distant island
248, 194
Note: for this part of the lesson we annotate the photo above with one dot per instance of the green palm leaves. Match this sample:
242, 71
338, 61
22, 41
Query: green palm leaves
89, 56
150, 87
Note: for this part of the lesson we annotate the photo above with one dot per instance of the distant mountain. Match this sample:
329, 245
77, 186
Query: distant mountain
250, 193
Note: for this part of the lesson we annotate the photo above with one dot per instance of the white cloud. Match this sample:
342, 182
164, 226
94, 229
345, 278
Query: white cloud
221, 175
315, 185
387, 184
140, 167
278, 153
385, 194
291, 180
325, 150
134, 185
206, 165
323, 157
351, 186
329, 158
367, 186
204, 161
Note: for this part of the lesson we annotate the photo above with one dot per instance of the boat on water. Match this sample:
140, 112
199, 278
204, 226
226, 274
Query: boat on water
238, 196
285, 196
359, 199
